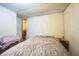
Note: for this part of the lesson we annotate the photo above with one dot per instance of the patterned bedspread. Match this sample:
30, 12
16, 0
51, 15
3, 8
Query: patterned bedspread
37, 46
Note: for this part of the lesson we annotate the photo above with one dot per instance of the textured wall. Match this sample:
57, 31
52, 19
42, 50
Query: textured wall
51, 24
71, 22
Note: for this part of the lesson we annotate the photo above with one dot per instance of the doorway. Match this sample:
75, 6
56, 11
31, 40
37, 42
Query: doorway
24, 28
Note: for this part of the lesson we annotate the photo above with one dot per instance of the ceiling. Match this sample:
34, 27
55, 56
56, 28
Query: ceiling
35, 9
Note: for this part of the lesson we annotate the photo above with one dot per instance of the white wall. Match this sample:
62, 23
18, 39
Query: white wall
19, 26
71, 22
51, 24
8, 22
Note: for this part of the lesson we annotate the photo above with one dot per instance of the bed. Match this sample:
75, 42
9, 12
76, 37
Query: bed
38, 46
8, 41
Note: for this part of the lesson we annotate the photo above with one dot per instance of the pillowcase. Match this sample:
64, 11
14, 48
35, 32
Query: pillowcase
45, 36
1, 40
6, 39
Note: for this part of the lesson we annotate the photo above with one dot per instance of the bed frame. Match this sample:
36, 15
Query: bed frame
65, 43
